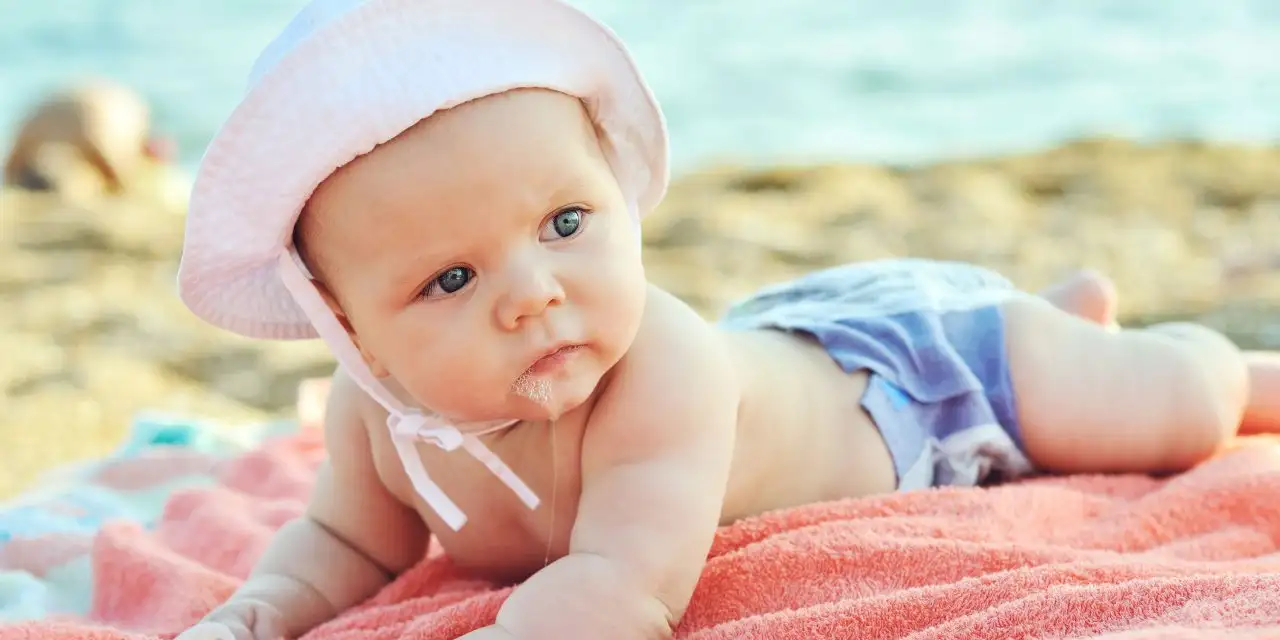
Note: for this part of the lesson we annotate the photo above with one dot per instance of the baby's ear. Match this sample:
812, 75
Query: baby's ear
331, 301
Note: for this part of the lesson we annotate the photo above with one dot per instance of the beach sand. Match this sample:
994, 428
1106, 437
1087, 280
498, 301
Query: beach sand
92, 331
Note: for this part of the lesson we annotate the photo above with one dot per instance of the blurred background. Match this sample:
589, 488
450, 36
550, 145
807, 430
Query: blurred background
1141, 138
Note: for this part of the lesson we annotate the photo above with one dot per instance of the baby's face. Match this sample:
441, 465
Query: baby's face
477, 242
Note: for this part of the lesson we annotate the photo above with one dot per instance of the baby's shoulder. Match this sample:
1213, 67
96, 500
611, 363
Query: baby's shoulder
675, 353
348, 408
670, 330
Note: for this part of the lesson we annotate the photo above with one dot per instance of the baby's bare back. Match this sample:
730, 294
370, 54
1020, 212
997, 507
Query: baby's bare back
803, 435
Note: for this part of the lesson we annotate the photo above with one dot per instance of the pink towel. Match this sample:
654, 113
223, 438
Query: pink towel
1193, 556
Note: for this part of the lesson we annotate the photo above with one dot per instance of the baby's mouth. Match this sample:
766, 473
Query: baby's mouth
533, 384
552, 361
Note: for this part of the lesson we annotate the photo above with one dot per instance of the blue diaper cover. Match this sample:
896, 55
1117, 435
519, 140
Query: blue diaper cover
931, 335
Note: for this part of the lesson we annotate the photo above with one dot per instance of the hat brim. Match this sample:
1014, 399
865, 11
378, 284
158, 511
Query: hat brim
360, 80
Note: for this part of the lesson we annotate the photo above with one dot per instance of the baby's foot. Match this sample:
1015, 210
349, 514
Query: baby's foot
1087, 294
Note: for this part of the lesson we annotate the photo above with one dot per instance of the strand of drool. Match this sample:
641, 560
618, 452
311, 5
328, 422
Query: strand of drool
555, 482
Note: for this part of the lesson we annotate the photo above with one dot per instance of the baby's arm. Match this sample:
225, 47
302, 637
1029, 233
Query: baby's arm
655, 465
352, 538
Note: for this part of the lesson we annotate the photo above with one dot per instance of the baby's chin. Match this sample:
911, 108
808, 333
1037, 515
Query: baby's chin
530, 398
550, 397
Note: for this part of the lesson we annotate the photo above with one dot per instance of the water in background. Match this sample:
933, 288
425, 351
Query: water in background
762, 80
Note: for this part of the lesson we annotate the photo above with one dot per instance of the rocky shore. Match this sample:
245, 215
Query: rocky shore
92, 330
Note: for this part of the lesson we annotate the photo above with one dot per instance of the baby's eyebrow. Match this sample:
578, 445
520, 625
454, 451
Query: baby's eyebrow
395, 275
574, 190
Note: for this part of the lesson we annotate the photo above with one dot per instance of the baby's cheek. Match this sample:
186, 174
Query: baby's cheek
456, 378
617, 273
619, 306
412, 365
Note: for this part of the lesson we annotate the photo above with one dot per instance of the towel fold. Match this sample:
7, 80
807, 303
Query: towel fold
1116, 557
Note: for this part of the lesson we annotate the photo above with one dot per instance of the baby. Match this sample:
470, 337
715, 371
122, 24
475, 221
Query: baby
449, 194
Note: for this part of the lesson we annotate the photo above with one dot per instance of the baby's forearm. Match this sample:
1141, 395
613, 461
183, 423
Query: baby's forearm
309, 575
584, 595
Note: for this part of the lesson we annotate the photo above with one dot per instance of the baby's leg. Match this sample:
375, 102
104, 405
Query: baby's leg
1094, 400
1263, 412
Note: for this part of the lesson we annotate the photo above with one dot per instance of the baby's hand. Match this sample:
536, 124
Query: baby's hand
243, 620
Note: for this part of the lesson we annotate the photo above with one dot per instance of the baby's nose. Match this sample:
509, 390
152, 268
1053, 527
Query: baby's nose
530, 294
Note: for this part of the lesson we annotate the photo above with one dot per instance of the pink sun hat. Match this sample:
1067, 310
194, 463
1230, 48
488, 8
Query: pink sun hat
347, 75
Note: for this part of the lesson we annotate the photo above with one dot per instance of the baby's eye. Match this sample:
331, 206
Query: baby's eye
563, 224
451, 281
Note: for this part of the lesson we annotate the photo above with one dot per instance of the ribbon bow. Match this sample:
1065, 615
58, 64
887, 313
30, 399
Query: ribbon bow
415, 425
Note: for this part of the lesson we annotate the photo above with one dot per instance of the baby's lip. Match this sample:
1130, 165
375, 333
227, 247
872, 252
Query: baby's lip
552, 357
